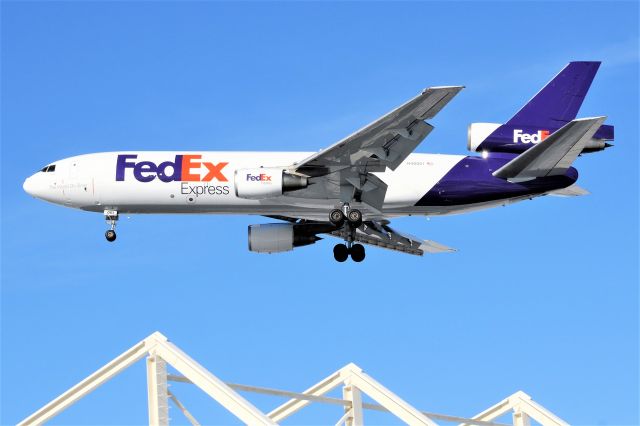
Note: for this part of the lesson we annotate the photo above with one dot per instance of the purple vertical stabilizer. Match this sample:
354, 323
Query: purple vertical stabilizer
551, 108
559, 101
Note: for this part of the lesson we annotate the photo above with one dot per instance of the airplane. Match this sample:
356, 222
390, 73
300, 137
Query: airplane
353, 188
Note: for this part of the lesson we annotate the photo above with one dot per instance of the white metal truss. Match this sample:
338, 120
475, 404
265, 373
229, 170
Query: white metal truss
353, 381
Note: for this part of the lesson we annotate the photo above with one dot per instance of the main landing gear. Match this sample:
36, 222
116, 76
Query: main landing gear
352, 216
111, 216
342, 251
351, 219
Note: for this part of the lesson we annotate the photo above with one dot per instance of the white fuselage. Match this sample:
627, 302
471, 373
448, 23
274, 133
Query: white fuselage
147, 182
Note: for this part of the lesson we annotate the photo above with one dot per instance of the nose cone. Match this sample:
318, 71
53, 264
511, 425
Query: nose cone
37, 186
29, 186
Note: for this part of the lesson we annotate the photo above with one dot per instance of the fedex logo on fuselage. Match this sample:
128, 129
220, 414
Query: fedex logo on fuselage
185, 168
258, 178
520, 136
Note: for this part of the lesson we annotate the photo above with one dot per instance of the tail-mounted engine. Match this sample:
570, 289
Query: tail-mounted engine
266, 182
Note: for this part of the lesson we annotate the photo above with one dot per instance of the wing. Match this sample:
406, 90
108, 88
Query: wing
375, 233
387, 141
380, 234
344, 169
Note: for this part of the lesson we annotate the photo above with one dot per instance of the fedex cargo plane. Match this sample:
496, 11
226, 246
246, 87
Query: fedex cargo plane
353, 188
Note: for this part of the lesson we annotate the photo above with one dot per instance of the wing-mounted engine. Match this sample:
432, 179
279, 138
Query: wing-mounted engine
266, 182
279, 237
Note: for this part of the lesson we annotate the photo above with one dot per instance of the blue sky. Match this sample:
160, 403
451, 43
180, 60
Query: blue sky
542, 296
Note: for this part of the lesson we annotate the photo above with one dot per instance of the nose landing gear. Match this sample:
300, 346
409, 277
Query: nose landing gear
111, 216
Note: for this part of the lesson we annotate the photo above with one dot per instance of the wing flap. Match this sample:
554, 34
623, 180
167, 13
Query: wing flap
388, 140
380, 234
554, 155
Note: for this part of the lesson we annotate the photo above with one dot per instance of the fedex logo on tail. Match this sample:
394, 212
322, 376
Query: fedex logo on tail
184, 168
520, 136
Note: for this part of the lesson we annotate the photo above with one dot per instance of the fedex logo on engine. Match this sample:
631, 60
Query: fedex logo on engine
520, 136
185, 168
258, 178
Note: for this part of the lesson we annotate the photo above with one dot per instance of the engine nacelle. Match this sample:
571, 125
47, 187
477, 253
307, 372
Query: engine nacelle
266, 182
478, 132
277, 237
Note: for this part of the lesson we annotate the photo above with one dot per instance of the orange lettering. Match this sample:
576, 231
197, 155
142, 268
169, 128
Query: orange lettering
215, 172
187, 165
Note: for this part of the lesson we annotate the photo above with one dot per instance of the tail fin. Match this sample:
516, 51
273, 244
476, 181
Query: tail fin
559, 101
554, 155
555, 105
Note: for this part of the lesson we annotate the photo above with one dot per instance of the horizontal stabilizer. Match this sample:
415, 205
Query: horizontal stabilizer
554, 155
570, 191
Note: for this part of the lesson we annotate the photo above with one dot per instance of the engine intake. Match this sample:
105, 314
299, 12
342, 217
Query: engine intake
277, 237
266, 182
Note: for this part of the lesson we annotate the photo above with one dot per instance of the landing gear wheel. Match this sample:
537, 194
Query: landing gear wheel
110, 235
357, 252
340, 252
355, 217
336, 217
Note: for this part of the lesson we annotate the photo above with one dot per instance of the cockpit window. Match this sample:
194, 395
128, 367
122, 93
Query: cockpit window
50, 168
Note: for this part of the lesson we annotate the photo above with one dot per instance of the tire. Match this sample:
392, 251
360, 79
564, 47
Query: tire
357, 253
340, 252
336, 217
110, 235
355, 218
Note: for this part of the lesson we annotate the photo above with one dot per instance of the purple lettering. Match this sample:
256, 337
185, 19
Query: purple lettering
123, 164
175, 166
145, 167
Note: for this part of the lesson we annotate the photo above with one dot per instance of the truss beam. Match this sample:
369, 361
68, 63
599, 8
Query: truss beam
157, 392
337, 401
354, 382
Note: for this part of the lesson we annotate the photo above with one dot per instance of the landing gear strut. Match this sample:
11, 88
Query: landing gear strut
111, 216
352, 218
